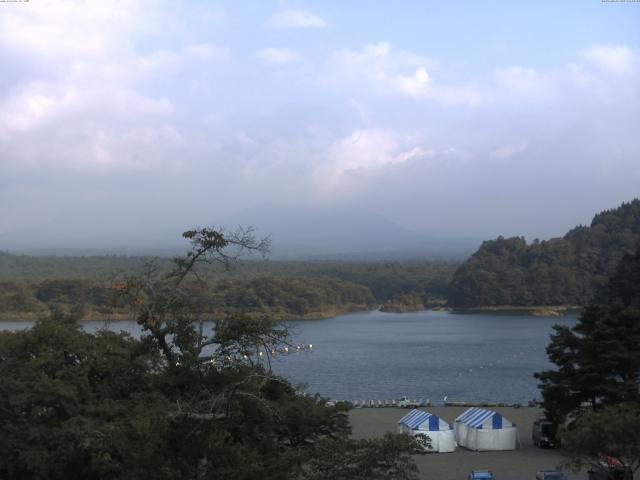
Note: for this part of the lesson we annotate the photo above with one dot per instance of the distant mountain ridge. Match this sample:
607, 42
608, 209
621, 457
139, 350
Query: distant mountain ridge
572, 270
297, 232
346, 234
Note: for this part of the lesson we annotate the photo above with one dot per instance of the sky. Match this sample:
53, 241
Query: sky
451, 119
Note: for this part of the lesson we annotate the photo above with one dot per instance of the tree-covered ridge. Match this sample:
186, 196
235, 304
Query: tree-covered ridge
284, 289
288, 297
279, 297
385, 279
572, 270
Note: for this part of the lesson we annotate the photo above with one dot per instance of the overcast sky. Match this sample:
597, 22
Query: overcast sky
449, 118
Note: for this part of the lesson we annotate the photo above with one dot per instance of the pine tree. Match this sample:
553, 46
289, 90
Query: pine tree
598, 360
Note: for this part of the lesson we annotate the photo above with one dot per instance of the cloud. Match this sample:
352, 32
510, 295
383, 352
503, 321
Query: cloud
85, 101
160, 60
613, 59
60, 29
116, 101
523, 85
363, 111
277, 56
204, 51
507, 151
361, 152
295, 19
379, 69
164, 61
84, 91
416, 85
26, 110
373, 148
520, 78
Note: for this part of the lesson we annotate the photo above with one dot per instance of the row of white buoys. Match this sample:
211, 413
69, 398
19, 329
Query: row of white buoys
422, 403
293, 349
387, 403
261, 354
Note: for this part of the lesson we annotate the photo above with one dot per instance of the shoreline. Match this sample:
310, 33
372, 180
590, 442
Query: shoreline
125, 316
542, 311
535, 310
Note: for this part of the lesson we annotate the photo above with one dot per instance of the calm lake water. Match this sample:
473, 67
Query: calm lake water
430, 355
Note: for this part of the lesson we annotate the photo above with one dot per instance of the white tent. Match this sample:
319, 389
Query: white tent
479, 429
440, 432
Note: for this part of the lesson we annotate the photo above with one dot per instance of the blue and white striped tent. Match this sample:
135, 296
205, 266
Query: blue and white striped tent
482, 429
440, 432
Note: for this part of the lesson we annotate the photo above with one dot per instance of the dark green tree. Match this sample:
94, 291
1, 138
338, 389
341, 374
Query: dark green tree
625, 282
183, 401
572, 270
387, 458
597, 360
72, 404
606, 441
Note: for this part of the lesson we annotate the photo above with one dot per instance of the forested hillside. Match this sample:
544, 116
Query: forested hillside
30, 286
277, 297
572, 270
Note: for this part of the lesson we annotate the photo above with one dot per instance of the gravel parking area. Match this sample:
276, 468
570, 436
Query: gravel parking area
520, 464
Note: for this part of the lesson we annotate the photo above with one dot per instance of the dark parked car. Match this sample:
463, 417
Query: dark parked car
544, 433
550, 475
610, 471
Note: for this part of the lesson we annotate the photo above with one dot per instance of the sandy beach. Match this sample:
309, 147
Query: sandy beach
520, 464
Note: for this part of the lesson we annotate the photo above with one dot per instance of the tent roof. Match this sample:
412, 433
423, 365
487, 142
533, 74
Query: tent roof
416, 417
475, 417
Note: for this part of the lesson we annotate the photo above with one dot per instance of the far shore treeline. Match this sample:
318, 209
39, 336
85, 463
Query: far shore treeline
503, 273
30, 286
572, 270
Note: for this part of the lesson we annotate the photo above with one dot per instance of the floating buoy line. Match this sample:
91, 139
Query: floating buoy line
260, 354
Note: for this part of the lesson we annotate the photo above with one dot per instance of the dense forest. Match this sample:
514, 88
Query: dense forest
572, 270
591, 392
176, 402
597, 360
30, 286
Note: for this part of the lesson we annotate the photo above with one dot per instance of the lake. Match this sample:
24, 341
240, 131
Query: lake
430, 355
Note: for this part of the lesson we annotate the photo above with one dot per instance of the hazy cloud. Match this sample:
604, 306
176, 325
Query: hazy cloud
277, 56
118, 108
381, 70
615, 59
508, 151
524, 81
295, 19
364, 150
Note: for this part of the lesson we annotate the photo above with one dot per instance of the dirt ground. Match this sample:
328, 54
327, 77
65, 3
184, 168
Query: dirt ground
521, 464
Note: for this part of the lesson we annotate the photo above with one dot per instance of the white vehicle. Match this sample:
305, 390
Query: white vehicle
406, 402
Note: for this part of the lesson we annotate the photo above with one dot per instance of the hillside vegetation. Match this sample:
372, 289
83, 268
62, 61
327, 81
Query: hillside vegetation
30, 286
277, 297
572, 270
